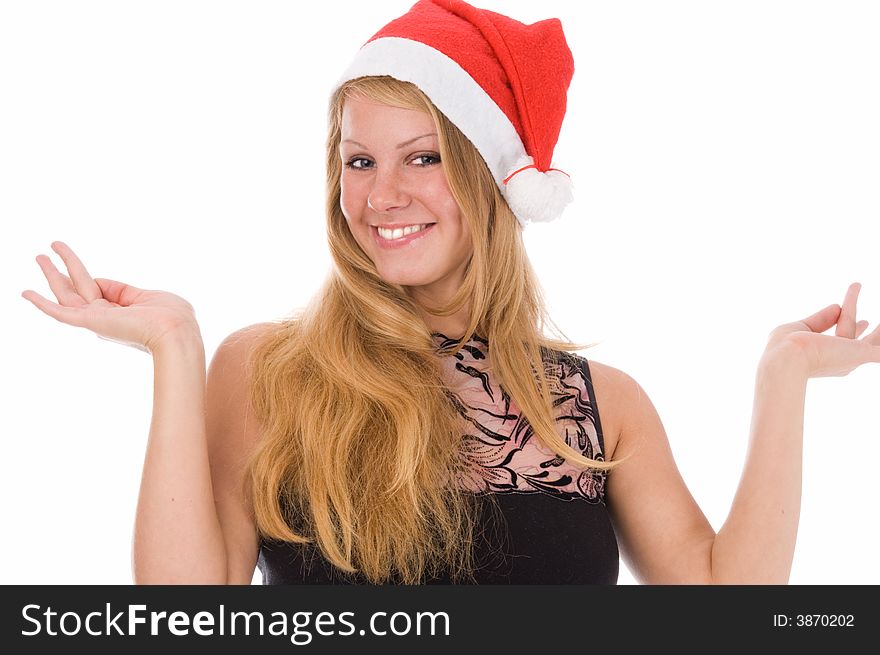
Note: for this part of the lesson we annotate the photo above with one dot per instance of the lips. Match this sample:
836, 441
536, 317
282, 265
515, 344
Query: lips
381, 234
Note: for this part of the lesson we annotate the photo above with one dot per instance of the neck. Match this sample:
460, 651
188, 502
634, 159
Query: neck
454, 325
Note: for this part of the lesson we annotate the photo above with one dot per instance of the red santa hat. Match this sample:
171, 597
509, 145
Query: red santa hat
501, 82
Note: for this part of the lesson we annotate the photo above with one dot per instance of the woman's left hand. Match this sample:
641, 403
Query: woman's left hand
824, 355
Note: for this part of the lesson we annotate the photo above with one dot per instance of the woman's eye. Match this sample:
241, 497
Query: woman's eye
427, 160
358, 163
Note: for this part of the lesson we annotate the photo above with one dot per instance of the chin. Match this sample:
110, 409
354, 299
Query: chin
405, 278
405, 281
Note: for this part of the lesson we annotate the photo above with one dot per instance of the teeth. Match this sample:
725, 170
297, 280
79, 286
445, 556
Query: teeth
399, 232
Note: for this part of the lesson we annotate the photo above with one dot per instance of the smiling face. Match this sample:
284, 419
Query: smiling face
397, 201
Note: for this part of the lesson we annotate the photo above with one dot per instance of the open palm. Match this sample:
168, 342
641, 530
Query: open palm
825, 355
113, 310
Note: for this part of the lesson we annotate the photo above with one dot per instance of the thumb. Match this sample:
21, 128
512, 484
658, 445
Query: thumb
823, 319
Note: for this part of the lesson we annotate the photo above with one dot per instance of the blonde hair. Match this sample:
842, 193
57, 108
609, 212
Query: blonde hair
361, 444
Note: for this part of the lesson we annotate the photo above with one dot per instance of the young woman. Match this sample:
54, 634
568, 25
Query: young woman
415, 423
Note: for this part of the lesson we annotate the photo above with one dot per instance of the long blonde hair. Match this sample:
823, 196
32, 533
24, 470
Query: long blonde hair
361, 444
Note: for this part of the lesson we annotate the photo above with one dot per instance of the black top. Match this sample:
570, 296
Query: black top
553, 526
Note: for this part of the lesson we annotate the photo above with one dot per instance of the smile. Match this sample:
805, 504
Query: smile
398, 233
400, 236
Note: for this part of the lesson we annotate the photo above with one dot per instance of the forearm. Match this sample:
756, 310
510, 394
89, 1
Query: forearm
756, 543
177, 536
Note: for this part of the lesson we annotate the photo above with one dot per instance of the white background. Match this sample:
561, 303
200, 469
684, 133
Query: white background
726, 170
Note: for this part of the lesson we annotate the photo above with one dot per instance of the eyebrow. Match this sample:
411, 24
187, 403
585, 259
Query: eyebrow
402, 145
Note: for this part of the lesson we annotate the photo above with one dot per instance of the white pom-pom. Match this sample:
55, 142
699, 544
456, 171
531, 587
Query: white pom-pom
538, 197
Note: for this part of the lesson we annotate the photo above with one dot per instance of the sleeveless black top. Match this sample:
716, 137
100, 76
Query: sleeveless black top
554, 527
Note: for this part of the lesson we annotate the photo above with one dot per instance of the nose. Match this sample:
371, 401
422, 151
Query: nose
387, 193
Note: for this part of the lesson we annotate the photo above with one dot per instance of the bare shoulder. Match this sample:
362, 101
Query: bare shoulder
228, 381
617, 395
235, 350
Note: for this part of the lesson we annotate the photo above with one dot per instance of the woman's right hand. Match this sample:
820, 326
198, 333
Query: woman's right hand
112, 310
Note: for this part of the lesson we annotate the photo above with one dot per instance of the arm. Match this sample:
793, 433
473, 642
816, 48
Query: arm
194, 521
232, 436
177, 536
664, 536
756, 543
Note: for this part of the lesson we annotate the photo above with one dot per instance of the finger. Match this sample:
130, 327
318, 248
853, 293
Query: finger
846, 324
119, 292
861, 326
69, 315
59, 283
82, 281
823, 319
